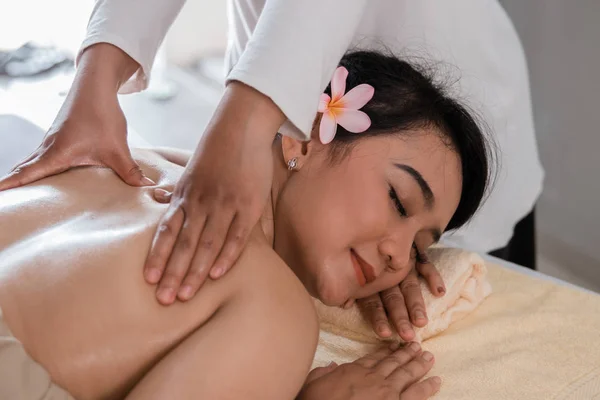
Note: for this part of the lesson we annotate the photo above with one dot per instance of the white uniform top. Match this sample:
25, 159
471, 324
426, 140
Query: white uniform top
291, 51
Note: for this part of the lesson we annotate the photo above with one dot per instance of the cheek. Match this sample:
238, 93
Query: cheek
338, 209
319, 218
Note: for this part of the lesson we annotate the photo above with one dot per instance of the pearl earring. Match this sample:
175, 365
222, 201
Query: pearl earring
292, 163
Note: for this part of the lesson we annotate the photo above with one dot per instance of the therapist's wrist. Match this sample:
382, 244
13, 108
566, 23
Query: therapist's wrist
255, 112
104, 68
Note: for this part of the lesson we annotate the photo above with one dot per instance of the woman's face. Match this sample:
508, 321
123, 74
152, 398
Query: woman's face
352, 229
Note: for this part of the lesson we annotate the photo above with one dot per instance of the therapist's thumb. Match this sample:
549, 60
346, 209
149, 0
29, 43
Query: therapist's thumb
129, 171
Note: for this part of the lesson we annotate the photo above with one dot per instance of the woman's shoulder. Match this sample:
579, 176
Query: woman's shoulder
266, 280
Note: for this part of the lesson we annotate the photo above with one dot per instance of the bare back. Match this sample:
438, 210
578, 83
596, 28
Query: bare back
72, 249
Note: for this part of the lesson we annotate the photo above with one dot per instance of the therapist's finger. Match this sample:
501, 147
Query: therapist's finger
237, 237
210, 243
395, 305
27, 160
181, 256
411, 289
31, 171
432, 277
123, 164
162, 195
162, 244
374, 311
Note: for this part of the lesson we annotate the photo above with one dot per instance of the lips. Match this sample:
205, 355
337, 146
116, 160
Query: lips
365, 273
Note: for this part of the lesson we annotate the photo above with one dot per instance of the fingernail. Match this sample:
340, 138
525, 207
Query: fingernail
332, 364
427, 356
441, 290
153, 275
147, 181
216, 273
419, 315
437, 380
414, 346
405, 328
185, 292
166, 295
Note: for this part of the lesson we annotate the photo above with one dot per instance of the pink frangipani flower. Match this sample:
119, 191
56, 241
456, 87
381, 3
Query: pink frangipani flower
344, 109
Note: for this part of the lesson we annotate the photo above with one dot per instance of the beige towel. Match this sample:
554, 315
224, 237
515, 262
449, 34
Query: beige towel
531, 339
464, 274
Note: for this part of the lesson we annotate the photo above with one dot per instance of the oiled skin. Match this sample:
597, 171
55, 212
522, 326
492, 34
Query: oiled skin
72, 248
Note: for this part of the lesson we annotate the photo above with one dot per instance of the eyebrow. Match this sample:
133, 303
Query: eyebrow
425, 190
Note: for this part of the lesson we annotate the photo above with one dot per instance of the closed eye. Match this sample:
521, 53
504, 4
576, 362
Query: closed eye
397, 203
419, 257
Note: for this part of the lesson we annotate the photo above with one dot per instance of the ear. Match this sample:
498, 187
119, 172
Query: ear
293, 148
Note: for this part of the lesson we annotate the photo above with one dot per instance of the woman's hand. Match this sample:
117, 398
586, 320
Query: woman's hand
403, 304
386, 374
90, 128
219, 198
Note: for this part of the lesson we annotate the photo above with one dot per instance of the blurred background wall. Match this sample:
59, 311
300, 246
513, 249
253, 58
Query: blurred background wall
562, 43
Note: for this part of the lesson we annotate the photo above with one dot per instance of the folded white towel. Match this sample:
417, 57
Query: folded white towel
464, 274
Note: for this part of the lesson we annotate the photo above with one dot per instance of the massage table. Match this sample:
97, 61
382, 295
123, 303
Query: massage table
515, 334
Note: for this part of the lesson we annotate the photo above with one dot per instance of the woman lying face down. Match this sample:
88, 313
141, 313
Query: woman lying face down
348, 217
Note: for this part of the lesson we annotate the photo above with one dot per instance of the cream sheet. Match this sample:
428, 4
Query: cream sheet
530, 339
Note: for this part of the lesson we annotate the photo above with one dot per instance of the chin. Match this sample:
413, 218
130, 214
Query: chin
331, 292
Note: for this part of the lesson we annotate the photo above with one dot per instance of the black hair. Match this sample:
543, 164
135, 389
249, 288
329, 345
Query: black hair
408, 99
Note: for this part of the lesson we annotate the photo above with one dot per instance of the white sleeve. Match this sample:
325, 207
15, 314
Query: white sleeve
137, 27
293, 53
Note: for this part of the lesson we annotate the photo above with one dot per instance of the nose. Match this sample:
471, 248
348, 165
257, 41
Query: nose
397, 252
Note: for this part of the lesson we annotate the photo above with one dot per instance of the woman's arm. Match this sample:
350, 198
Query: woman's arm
259, 344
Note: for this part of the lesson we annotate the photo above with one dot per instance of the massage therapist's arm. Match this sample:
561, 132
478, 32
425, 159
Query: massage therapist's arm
90, 129
286, 65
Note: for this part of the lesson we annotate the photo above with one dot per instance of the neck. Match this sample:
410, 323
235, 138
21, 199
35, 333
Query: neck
280, 176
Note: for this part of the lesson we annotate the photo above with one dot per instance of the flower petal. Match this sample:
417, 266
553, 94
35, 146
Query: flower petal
338, 83
358, 96
323, 102
328, 128
353, 120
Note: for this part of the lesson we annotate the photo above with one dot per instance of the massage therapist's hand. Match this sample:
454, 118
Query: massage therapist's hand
219, 198
388, 374
90, 128
403, 304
